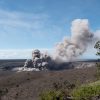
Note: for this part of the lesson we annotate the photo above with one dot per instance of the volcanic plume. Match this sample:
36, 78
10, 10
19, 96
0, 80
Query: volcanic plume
66, 50
81, 38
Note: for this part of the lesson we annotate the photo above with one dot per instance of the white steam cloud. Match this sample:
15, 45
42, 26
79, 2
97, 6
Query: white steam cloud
81, 38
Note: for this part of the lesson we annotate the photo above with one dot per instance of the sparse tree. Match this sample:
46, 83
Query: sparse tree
97, 46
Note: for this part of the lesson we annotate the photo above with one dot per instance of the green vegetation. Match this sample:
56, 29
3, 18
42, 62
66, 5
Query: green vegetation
52, 95
97, 46
60, 91
84, 92
87, 92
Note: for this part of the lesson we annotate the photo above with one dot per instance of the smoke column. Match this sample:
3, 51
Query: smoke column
81, 38
66, 50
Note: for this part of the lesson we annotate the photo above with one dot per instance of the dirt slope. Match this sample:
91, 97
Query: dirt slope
28, 85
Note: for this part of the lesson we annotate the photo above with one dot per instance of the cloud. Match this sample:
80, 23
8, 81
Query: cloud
15, 54
15, 24
10, 20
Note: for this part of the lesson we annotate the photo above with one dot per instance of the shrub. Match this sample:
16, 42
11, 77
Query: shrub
52, 95
97, 46
60, 91
86, 92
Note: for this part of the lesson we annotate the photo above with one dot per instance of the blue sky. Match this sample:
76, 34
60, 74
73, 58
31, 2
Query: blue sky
27, 24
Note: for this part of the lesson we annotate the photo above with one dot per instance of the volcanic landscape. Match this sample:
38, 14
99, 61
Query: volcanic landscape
60, 67
28, 85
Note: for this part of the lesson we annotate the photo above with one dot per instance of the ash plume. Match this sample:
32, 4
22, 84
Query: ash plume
81, 38
67, 50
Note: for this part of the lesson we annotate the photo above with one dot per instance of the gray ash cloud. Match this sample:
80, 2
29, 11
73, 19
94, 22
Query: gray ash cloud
81, 38
67, 50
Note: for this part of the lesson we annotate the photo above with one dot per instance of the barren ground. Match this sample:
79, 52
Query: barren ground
28, 85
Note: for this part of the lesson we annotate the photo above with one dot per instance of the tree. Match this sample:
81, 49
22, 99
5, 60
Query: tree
97, 46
